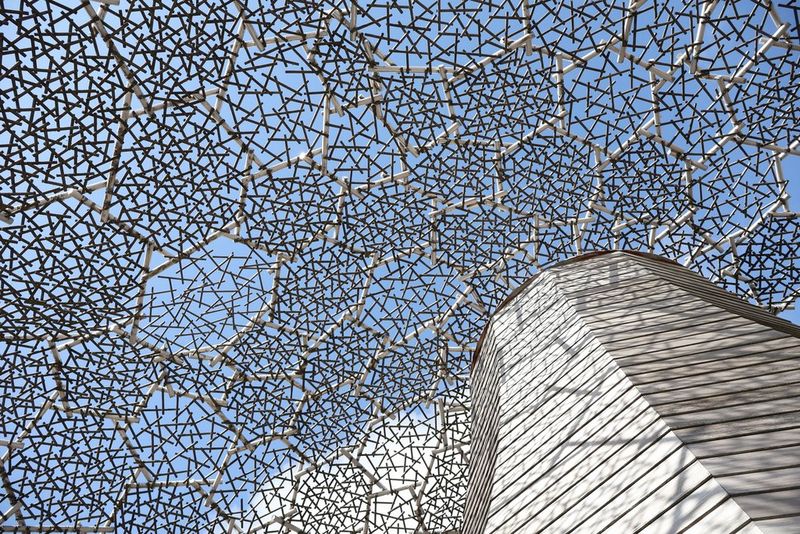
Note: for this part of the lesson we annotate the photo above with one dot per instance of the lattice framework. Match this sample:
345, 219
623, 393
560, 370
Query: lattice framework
248, 247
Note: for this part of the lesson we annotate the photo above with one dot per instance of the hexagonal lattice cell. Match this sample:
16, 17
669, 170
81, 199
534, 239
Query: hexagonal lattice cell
248, 248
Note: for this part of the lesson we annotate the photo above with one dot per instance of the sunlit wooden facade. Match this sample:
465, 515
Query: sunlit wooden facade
621, 392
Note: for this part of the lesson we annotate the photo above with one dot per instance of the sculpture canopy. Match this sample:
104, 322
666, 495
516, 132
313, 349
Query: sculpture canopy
248, 247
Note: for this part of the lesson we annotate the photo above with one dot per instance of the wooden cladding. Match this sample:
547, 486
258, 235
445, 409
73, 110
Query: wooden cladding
621, 393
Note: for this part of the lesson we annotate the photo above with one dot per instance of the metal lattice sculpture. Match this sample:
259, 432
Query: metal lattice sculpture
247, 247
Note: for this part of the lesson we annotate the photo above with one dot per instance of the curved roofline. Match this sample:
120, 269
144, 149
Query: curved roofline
522, 287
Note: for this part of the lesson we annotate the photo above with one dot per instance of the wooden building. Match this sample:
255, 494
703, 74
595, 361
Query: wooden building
618, 392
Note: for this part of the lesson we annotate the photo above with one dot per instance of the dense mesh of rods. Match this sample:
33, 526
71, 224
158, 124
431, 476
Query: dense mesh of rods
247, 247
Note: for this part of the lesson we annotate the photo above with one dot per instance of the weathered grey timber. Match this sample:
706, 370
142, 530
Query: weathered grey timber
623, 393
